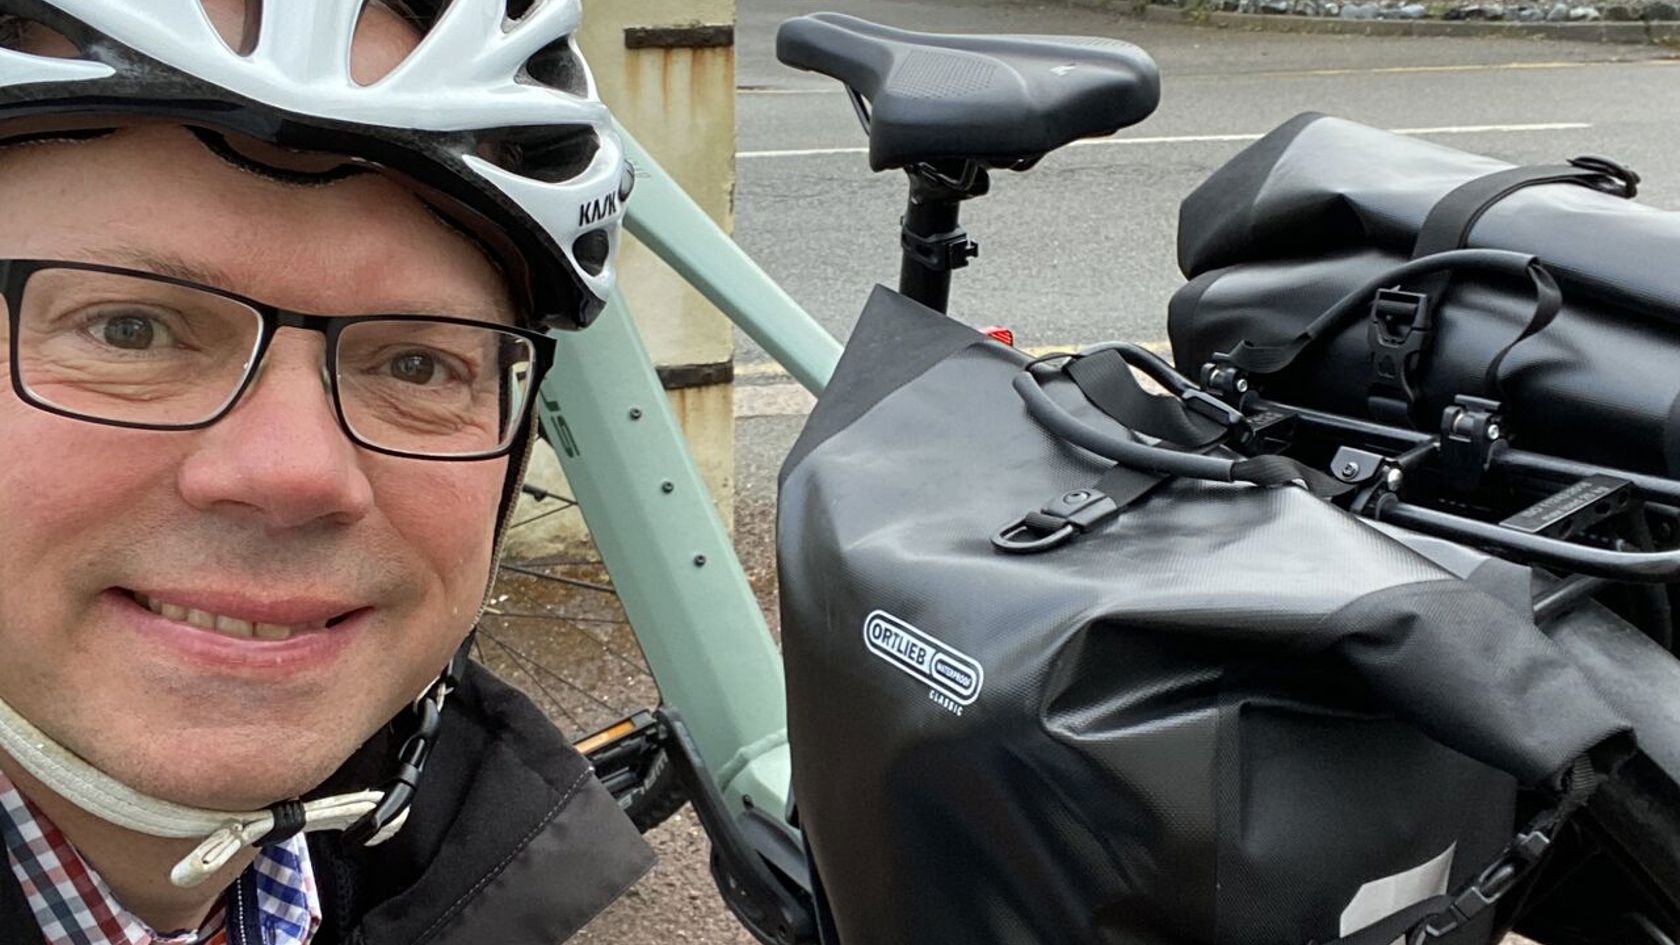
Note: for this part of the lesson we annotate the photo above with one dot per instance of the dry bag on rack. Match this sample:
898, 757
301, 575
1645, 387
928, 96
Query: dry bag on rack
1216, 712
1544, 288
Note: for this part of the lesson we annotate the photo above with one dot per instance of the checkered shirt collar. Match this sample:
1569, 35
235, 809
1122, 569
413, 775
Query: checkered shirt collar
73, 905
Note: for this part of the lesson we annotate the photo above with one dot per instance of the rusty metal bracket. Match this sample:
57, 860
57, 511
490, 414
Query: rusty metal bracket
698, 36
684, 376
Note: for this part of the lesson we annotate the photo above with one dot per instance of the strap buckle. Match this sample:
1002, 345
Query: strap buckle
1516, 861
411, 758
1518, 858
1072, 513
1400, 332
1619, 179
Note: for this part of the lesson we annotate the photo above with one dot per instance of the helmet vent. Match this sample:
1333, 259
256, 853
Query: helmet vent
559, 66
549, 154
591, 251
240, 37
25, 35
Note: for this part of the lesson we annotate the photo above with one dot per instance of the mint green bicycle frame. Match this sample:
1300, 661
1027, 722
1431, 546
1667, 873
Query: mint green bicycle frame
670, 558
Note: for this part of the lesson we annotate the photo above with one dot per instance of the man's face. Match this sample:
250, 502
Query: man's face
271, 515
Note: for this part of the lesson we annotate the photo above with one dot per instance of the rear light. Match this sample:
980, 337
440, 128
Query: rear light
1000, 333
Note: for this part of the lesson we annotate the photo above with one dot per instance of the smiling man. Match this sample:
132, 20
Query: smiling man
274, 278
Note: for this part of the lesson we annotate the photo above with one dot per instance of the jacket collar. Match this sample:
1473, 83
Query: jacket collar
511, 838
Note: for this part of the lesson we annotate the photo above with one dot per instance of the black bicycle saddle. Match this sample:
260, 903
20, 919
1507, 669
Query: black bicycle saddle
1003, 101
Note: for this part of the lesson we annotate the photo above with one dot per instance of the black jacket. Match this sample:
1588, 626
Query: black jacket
511, 840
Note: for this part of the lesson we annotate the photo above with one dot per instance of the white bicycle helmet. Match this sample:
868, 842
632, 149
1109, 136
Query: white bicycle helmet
493, 119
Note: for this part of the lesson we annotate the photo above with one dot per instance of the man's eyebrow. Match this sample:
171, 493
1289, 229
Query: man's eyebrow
174, 266
161, 263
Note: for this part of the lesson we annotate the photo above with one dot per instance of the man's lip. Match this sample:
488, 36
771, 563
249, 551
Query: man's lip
237, 656
289, 611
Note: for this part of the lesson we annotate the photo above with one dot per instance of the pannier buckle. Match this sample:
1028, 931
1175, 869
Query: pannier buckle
1072, 513
1399, 333
1493, 883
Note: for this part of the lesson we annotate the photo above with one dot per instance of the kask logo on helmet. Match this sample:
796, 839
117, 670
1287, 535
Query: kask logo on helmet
594, 211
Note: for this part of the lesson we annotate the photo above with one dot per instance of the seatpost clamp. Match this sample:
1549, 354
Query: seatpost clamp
942, 253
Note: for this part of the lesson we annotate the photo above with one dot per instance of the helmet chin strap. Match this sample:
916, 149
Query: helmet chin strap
368, 817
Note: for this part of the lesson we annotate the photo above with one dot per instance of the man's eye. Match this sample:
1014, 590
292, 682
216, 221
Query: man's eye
414, 368
131, 332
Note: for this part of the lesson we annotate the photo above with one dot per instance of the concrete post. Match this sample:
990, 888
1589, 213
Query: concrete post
667, 70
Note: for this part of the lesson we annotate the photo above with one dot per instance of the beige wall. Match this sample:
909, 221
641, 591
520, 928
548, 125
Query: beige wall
680, 104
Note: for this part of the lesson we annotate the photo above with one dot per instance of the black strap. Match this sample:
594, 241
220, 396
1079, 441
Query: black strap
1450, 221
1438, 916
1126, 485
1139, 468
1548, 301
1108, 383
1270, 359
1448, 227
1396, 927
1273, 470
1156, 460
1122, 484
1446, 230
1077, 511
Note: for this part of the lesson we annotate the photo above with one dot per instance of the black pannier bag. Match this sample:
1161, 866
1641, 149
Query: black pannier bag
1546, 289
1226, 713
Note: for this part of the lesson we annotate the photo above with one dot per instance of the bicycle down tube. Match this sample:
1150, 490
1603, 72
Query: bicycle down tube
672, 562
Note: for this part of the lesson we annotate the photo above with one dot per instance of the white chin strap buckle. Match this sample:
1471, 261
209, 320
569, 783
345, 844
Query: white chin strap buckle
366, 817
277, 823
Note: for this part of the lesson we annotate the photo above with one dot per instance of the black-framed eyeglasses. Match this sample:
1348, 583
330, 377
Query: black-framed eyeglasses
136, 349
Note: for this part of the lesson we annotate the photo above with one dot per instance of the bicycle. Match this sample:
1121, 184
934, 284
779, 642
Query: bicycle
720, 741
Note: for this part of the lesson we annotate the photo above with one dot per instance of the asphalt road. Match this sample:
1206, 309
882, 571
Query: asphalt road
1080, 248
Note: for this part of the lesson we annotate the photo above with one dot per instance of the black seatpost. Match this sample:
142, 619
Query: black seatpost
934, 242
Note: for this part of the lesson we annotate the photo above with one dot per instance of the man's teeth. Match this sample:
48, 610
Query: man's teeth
227, 626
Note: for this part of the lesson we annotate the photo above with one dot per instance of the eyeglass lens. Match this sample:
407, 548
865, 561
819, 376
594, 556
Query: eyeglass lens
140, 351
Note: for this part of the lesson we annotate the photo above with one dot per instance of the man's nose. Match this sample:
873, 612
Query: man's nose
280, 456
